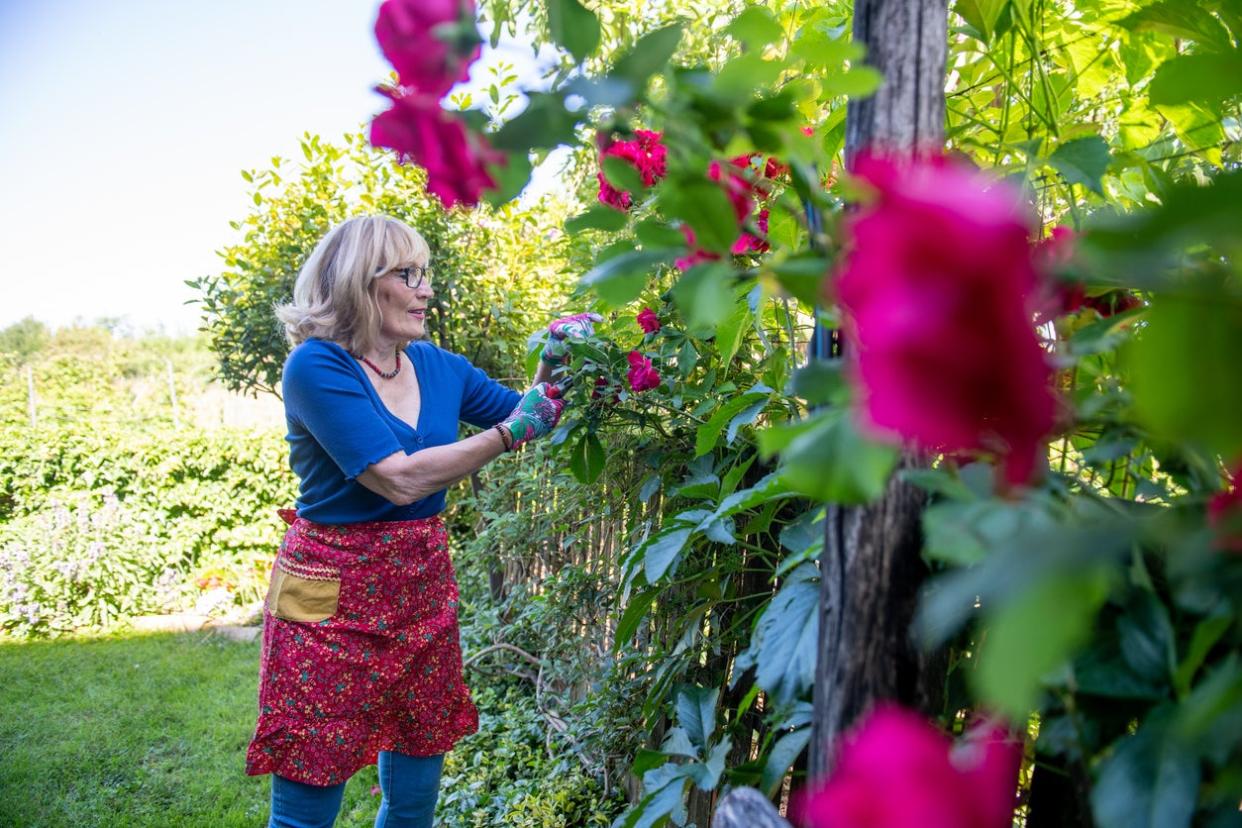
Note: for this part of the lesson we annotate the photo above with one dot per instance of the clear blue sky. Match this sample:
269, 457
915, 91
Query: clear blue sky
124, 125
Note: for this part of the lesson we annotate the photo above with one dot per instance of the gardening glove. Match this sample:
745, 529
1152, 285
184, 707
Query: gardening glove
578, 326
535, 415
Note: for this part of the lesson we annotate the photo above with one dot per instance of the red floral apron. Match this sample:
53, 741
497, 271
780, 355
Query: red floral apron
360, 650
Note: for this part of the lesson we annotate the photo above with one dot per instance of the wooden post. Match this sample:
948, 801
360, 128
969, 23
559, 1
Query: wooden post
172, 394
30, 397
871, 565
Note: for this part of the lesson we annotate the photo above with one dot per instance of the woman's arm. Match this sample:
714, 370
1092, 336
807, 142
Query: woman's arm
407, 478
544, 373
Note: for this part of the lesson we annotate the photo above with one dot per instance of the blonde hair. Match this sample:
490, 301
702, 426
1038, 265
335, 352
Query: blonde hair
332, 298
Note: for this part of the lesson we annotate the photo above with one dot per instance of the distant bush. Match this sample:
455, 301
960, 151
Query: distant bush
96, 525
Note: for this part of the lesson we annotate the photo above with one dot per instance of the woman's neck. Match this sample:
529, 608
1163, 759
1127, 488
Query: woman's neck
381, 352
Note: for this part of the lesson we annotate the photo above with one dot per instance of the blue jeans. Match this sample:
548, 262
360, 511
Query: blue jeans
410, 785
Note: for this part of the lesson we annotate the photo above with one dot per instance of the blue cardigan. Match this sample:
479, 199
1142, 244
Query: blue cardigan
338, 425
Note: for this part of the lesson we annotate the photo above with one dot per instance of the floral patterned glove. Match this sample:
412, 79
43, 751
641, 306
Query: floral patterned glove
578, 326
535, 415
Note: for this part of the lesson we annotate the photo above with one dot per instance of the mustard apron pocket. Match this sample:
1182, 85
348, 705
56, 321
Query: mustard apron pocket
303, 593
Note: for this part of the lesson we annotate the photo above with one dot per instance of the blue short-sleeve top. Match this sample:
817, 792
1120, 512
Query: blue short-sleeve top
338, 425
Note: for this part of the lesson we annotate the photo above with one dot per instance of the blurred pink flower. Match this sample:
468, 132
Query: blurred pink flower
375, 790
896, 770
428, 59
456, 160
746, 243
645, 153
648, 321
939, 285
641, 376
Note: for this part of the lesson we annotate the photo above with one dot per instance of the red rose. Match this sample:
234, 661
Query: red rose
645, 154
641, 376
896, 770
424, 59
648, 321
937, 283
456, 160
746, 243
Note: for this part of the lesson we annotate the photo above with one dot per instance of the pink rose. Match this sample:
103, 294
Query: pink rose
938, 284
456, 160
645, 153
648, 321
641, 376
746, 243
896, 770
426, 61
742, 193
1059, 296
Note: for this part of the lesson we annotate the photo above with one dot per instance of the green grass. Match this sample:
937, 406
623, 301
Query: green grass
138, 731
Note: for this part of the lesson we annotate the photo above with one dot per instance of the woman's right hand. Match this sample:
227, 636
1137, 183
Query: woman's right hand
536, 414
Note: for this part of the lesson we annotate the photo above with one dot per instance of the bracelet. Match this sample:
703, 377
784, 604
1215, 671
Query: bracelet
505, 438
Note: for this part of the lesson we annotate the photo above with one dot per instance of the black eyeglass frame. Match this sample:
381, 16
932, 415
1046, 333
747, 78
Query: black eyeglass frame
423, 271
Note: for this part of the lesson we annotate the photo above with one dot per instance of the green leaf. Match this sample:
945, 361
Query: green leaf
1082, 161
696, 713
1185, 365
622, 175
1207, 633
858, 82
1149, 781
742, 76
785, 645
704, 295
660, 552
1146, 637
731, 331
648, 56
652, 232
1209, 79
708, 434
704, 206
802, 276
587, 459
756, 27
637, 610
545, 123
981, 14
511, 178
831, 460
622, 278
821, 381
1179, 19
781, 758
574, 27
599, 217
1031, 635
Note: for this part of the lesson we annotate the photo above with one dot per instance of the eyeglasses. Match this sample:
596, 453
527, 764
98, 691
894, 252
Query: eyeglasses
414, 276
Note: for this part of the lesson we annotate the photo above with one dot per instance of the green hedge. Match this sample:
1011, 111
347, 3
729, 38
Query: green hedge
96, 525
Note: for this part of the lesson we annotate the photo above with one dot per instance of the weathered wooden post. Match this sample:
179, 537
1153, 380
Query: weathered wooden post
871, 565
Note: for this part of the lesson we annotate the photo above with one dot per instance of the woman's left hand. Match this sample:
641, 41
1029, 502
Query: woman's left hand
578, 326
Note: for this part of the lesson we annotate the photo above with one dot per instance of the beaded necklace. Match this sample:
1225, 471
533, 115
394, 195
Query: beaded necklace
385, 374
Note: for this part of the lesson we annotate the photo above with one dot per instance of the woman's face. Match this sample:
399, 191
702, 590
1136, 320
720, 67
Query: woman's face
403, 309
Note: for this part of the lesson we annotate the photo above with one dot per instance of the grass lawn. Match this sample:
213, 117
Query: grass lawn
149, 730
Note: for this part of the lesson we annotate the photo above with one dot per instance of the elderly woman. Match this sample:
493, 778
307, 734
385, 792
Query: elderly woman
361, 660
